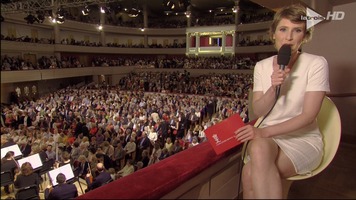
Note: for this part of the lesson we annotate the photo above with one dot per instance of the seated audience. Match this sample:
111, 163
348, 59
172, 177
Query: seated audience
127, 170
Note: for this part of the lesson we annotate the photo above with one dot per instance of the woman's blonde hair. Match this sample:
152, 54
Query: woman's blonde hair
295, 14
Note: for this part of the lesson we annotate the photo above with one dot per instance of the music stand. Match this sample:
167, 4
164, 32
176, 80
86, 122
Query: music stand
34, 159
15, 148
65, 169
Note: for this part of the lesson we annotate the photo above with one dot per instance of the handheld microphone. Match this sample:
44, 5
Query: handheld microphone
283, 58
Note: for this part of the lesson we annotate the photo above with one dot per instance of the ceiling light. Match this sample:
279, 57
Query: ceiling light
85, 10
60, 12
60, 19
53, 20
170, 4
235, 9
188, 13
104, 9
133, 12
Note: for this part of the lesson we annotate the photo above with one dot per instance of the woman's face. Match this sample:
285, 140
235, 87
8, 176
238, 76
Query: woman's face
290, 33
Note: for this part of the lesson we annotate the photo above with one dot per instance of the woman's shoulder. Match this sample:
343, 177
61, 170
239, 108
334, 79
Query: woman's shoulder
312, 57
266, 61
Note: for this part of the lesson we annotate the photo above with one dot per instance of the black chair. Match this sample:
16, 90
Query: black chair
46, 167
29, 192
76, 178
7, 178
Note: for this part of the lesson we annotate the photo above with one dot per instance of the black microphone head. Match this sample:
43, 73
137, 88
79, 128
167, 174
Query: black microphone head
284, 54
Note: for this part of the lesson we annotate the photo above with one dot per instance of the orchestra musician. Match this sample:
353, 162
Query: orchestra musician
62, 191
8, 163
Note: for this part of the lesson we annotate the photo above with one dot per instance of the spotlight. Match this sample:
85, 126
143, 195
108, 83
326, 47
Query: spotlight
60, 19
133, 12
60, 12
235, 9
105, 9
85, 11
188, 14
53, 20
170, 4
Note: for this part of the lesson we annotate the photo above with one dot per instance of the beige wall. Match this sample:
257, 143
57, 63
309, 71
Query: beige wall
335, 40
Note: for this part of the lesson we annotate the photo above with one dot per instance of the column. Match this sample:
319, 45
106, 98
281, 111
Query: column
223, 42
237, 14
187, 43
56, 31
197, 43
102, 32
145, 15
189, 16
145, 23
57, 39
234, 41
145, 40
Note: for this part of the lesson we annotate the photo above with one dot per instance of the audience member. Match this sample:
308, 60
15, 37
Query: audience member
99, 180
127, 170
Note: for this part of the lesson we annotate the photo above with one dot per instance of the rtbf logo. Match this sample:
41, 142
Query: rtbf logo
314, 18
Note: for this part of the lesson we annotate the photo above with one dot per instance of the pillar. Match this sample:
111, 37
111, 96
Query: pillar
56, 31
187, 43
197, 43
237, 14
102, 32
234, 41
145, 23
223, 42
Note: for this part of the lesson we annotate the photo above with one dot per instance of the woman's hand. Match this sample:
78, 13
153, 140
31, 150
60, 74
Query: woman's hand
278, 76
248, 132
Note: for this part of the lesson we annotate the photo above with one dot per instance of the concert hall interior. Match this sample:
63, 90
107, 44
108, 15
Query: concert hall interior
133, 85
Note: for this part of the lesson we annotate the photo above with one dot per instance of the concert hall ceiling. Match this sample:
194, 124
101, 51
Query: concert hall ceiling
154, 7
